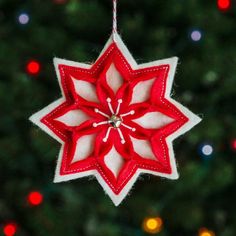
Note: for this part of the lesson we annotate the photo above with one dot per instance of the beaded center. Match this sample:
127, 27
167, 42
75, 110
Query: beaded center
115, 120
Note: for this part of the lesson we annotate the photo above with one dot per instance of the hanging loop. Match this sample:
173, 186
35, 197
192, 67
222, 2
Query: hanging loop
114, 26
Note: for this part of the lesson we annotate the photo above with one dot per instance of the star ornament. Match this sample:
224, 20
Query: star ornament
115, 120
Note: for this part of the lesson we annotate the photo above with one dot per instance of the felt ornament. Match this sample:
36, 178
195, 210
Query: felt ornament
116, 119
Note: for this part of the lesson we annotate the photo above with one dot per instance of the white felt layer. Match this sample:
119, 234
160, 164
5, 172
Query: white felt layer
86, 90
153, 120
114, 78
143, 148
114, 161
73, 118
84, 147
193, 120
141, 91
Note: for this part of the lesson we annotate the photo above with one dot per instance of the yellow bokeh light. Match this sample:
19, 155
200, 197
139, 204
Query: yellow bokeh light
206, 232
152, 225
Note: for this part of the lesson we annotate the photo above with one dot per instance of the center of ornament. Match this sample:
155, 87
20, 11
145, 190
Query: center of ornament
115, 121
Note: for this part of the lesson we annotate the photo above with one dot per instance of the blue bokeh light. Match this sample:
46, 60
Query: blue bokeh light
196, 35
23, 18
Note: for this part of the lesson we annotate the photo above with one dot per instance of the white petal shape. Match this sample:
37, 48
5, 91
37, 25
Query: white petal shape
73, 118
114, 161
84, 147
114, 78
141, 91
153, 120
86, 90
143, 148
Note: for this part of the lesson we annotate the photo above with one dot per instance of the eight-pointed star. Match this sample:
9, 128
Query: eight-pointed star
115, 120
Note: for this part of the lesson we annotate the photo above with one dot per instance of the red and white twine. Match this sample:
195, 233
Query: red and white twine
114, 27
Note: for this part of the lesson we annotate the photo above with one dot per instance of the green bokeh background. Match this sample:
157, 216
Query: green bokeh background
204, 196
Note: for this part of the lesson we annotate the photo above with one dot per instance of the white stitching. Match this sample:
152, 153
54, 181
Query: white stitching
133, 73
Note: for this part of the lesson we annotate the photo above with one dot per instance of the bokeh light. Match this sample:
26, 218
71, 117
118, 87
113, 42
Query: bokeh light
60, 1
152, 225
33, 67
233, 144
224, 5
10, 229
35, 198
205, 232
23, 18
206, 149
196, 35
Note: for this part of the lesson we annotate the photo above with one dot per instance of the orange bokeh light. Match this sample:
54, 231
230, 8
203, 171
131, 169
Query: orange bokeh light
152, 224
205, 232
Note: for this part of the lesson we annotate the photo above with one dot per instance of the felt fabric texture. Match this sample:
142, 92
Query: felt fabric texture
116, 119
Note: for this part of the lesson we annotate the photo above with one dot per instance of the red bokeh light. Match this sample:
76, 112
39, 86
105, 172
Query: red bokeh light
224, 4
33, 67
35, 198
9, 229
60, 1
234, 144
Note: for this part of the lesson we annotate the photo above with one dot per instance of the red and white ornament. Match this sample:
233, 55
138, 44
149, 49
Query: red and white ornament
116, 119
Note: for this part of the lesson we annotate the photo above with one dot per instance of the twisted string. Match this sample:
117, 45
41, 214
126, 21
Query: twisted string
114, 27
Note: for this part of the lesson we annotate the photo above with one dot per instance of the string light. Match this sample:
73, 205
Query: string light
205, 232
10, 229
23, 18
152, 225
35, 198
206, 150
33, 67
196, 35
224, 5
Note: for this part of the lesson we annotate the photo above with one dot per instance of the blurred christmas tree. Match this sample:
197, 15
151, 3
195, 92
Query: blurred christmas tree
202, 34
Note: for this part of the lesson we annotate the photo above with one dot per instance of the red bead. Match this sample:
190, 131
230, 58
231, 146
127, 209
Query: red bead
9, 229
35, 198
33, 67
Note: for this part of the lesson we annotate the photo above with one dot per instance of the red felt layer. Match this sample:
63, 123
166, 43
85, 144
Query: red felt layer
97, 76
